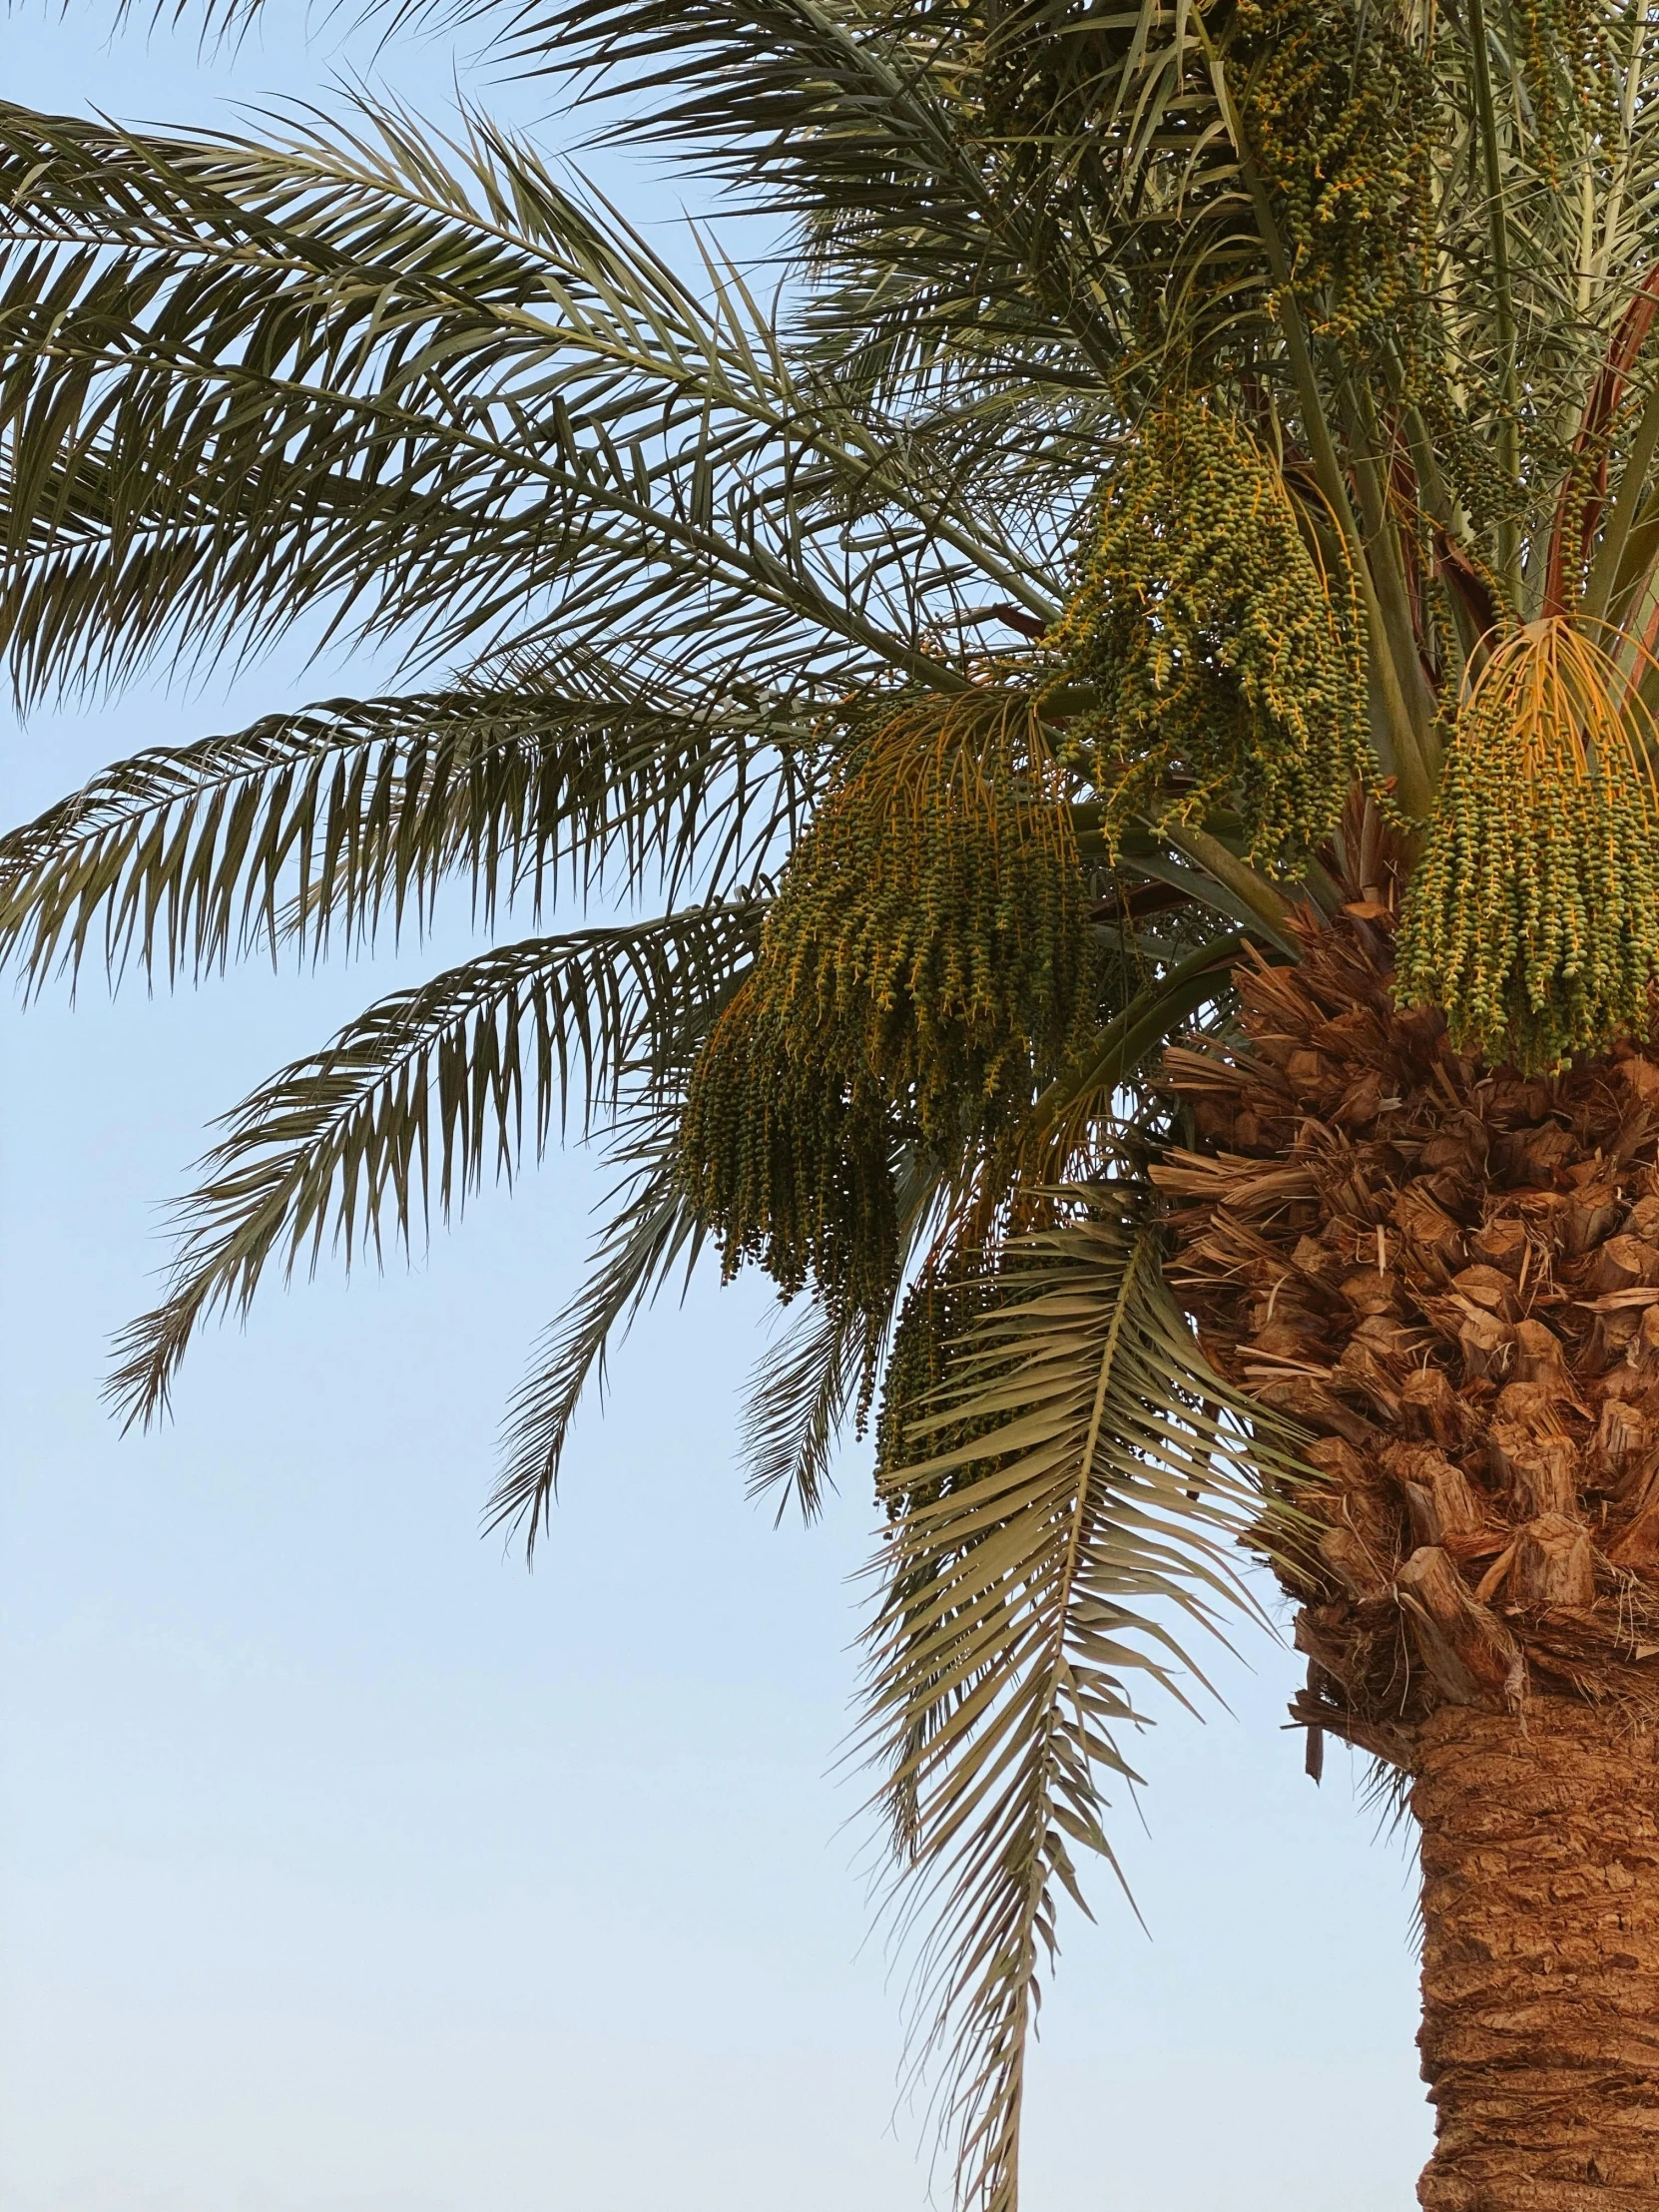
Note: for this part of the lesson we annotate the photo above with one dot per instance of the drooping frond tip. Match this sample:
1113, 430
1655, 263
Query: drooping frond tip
411, 1105
1069, 1502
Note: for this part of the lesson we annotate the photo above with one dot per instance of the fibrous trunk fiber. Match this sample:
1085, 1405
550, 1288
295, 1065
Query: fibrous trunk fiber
1540, 1967
1449, 1275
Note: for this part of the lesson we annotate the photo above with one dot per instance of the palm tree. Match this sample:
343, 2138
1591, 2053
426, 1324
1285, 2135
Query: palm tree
1130, 674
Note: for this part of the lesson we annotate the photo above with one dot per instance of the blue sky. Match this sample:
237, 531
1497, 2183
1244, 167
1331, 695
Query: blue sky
346, 1866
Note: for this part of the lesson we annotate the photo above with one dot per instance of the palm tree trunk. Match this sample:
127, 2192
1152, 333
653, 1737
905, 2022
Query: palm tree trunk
1540, 1965
1448, 1275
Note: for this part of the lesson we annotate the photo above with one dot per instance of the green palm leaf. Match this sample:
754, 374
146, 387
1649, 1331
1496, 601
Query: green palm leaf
425, 1089
651, 1235
799, 1398
422, 385
1031, 1575
350, 815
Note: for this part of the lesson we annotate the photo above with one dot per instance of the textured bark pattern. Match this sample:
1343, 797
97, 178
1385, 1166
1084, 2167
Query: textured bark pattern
1540, 1901
1451, 1276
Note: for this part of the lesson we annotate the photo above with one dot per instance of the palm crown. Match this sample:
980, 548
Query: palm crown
1183, 506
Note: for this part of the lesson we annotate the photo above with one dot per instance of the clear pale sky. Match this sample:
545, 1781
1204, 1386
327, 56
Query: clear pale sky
346, 1866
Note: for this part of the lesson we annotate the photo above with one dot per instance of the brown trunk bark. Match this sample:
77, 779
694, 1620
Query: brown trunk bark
1541, 1967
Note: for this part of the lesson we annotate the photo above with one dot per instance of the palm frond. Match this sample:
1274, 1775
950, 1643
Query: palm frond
350, 815
415, 1098
419, 384
1029, 1576
799, 1397
652, 1235
804, 1390
986, 186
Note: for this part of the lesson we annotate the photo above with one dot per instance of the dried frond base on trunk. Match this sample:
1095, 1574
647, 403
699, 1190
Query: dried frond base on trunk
1540, 1970
1450, 1277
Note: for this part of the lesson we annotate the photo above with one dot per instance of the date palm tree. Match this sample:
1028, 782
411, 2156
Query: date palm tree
1128, 666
